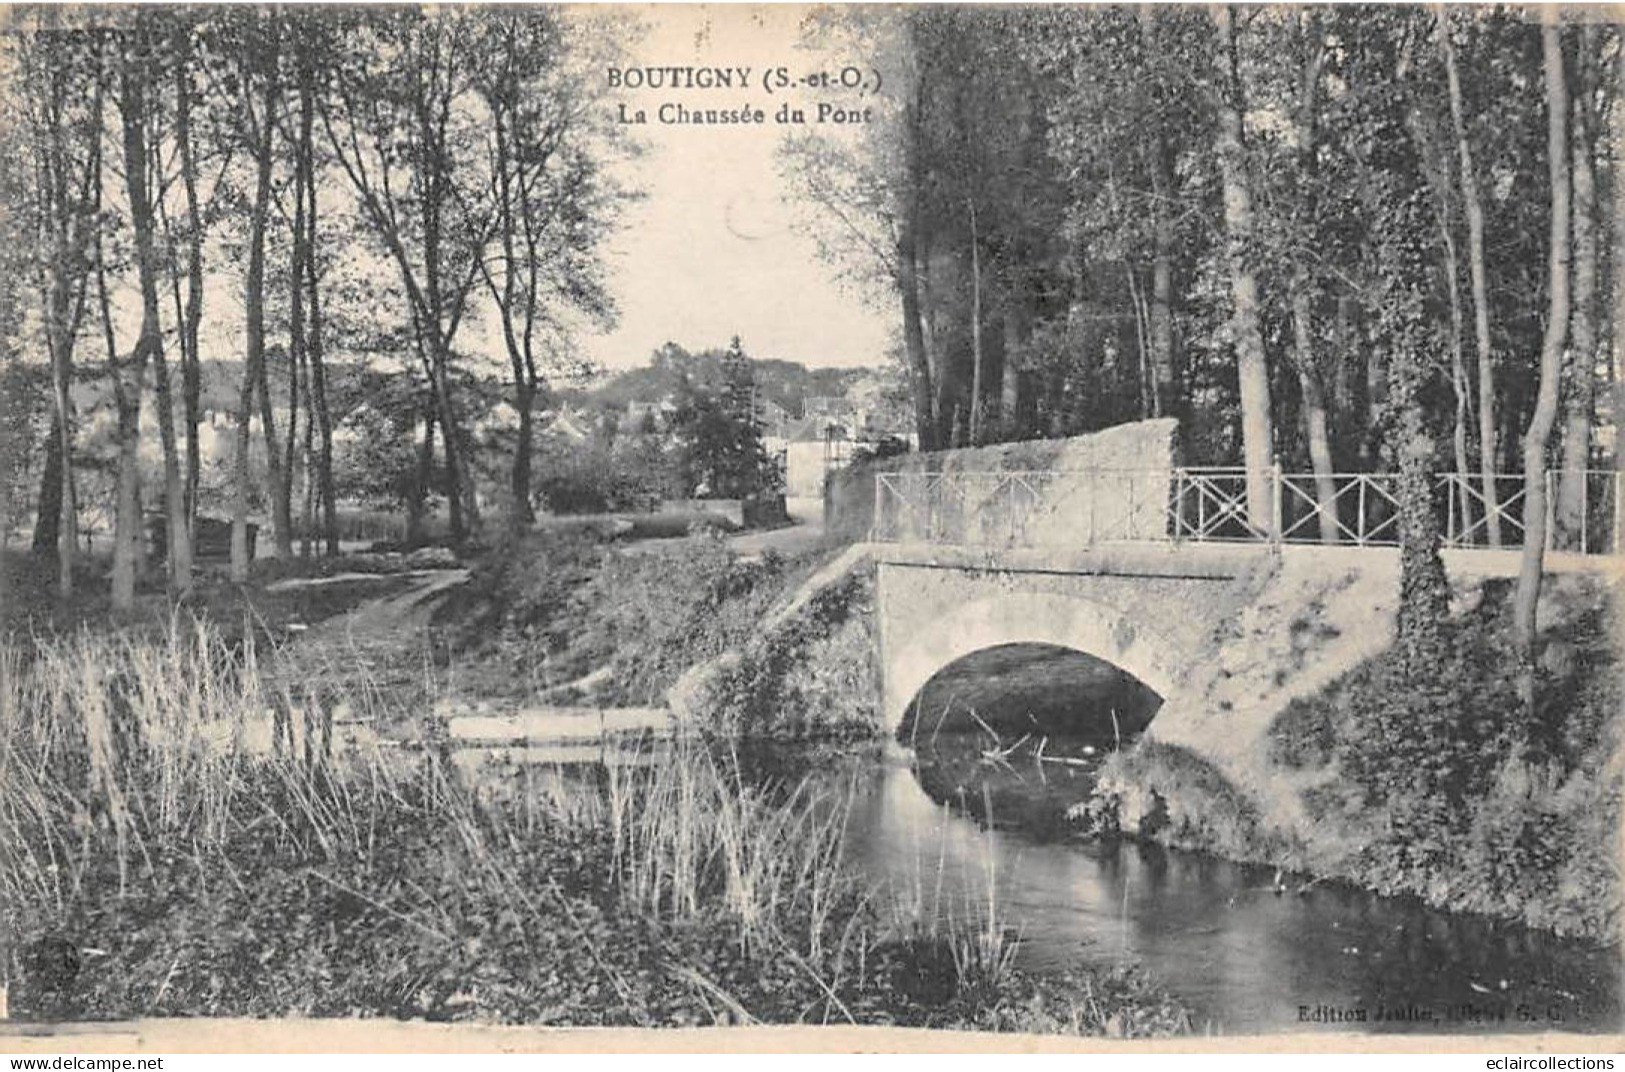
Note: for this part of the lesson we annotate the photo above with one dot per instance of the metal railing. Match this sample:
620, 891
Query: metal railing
1061, 508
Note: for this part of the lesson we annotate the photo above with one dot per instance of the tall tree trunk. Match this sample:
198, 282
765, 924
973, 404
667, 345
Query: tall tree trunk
460, 492
177, 543
127, 488
290, 442
62, 526
977, 355
1458, 378
1437, 173
276, 476
65, 232
326, 491
1376, 389
1316, 426
1582, 355
939, 301
67, 501
1302, 300
1162, 231
919, 362
1544, 417
1618, 277
523, 448
148, 345
432, 356
460, 488
254, 360
1252, 372
520, 357
48, 516
192, 316
1473, 206
296, 348
420, 484
1162, 311
1017, 331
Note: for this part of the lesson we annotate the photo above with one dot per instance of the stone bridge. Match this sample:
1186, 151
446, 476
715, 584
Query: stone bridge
1145, 610
1227, 636
1113, 551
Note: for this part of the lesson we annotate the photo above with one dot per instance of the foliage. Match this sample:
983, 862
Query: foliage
523, 596
652, 616
719, 436
813, 675
556, 605
597, 477
1453, 795
1170, 795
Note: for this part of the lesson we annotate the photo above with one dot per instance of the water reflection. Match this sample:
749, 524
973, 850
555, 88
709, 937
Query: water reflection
1217, 934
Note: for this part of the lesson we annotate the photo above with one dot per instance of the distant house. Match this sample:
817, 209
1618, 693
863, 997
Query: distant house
640, 414
773, 418
813, 447
567, 424
830, 409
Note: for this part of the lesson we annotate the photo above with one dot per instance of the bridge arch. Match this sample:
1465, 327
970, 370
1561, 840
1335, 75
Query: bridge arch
1066, 621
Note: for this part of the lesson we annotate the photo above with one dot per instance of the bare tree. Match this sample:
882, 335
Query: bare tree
1544, 417
1473, 206
1581, 373
1257, 431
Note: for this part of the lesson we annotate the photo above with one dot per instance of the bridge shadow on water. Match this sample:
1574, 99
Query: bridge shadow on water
1015, 734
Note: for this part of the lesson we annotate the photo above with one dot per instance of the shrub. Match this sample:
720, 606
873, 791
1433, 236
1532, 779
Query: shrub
521, 601
1173, 796
593, 477
1455, 792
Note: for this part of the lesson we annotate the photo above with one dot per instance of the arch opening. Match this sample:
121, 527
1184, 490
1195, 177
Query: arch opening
1037, 690
920, 640
1015, 733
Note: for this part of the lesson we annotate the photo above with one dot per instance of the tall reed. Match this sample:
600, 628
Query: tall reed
689, 835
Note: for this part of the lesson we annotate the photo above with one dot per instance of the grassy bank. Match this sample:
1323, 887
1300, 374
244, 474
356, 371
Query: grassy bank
553, 607
557, 608
161, 860
1507, 815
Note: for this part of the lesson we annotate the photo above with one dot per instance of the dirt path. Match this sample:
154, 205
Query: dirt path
405, 612
383, 640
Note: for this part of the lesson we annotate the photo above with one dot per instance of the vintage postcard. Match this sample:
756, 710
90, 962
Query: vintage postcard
929, 526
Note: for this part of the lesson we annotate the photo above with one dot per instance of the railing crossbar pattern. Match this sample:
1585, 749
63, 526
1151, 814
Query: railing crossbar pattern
1030, 508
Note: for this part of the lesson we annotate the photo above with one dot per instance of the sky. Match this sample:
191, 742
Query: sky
710, 253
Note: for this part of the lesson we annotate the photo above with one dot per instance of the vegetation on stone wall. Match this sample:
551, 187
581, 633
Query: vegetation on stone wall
1453, 793
1170, 795
816, 675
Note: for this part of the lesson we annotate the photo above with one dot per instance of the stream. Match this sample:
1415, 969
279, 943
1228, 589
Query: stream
1246, 958
944, 830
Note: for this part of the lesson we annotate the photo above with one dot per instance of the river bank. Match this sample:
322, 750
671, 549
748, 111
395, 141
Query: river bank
157, 865
1527, 830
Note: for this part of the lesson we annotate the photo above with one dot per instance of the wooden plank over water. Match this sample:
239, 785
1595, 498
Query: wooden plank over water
547, 724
